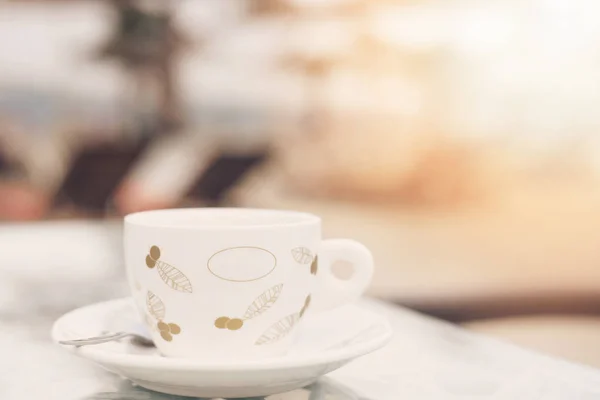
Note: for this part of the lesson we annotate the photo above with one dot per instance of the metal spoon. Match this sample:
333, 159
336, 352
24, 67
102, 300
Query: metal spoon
135, 338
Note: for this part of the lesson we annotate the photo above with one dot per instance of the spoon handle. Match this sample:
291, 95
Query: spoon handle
96, 339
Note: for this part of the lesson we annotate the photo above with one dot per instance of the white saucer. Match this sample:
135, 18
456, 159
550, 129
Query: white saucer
327, 341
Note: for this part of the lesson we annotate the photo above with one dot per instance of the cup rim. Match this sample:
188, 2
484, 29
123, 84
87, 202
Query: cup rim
164, 218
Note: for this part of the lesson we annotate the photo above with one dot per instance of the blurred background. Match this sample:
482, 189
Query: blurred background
458, 139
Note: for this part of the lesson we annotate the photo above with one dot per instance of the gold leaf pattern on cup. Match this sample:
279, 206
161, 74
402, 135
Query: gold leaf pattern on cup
302, 255
170, 275
278, 330
305, 306
263, 302
174, 278
260, 305
155, 306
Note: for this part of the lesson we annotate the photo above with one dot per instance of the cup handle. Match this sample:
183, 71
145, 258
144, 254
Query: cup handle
332, 291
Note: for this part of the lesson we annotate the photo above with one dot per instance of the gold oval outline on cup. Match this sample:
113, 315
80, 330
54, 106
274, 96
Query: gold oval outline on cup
242, 247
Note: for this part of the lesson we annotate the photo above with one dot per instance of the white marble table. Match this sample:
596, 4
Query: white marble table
50, 269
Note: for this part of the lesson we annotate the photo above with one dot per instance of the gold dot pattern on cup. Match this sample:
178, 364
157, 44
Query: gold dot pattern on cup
162, 326
170, 275
157, 310
260, 305
174, 329
150, 262
168, 330
314, 267
154, 252
221, 322
233, 324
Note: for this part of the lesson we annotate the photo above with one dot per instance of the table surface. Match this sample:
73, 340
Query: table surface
427, 359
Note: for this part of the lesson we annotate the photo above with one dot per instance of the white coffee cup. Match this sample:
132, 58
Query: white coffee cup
225, 285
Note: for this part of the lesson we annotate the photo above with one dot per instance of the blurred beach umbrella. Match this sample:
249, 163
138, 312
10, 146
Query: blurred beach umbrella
146, 42
269, 7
